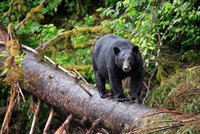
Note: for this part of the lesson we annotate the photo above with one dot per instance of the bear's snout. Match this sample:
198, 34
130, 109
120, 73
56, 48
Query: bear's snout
126, 67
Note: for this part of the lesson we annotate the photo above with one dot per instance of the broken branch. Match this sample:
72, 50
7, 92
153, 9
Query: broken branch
46, 128
65, 125
35, 117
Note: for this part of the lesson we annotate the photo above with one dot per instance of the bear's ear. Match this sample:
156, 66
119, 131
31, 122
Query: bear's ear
116, 50
135, 49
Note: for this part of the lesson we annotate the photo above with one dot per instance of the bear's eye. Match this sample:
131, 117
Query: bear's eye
121, 61
130, 59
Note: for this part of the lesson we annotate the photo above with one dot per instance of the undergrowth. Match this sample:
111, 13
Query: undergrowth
167, 122
180, 91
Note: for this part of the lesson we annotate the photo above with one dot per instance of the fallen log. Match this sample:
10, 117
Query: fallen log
65, 93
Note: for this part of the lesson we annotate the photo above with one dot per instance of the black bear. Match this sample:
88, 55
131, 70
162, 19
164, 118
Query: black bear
115, 58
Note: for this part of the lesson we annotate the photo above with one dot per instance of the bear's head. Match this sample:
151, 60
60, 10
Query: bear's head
126, 58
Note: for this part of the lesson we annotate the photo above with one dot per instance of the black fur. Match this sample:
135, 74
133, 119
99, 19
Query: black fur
110, 56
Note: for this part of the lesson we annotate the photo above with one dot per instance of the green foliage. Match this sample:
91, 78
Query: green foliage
35, 31
89, 20
48, 31
25, 114
192, 56
52, 6
80, 39
110, 2
185, 14
4, 7
78, 57
29, 30
108, 12
4, 92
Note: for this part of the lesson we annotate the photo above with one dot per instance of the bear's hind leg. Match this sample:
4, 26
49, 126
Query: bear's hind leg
101, 85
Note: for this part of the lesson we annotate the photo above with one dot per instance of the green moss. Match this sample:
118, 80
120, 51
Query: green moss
78, 67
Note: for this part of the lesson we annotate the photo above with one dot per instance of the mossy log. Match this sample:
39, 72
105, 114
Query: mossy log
84, 44
63, 92
78, 67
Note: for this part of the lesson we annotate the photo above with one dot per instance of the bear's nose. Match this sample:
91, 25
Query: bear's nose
126, 67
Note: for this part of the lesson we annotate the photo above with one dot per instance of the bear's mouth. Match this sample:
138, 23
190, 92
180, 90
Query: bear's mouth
126, 70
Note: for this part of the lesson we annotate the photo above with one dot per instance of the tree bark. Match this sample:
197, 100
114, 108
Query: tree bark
63, 92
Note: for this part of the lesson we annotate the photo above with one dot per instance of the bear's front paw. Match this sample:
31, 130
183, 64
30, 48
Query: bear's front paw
104, 95
136, 101
123, 99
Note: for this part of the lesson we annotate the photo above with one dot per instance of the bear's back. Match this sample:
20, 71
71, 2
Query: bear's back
108, 42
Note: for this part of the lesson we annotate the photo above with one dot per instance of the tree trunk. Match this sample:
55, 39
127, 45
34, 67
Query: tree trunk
63, 92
